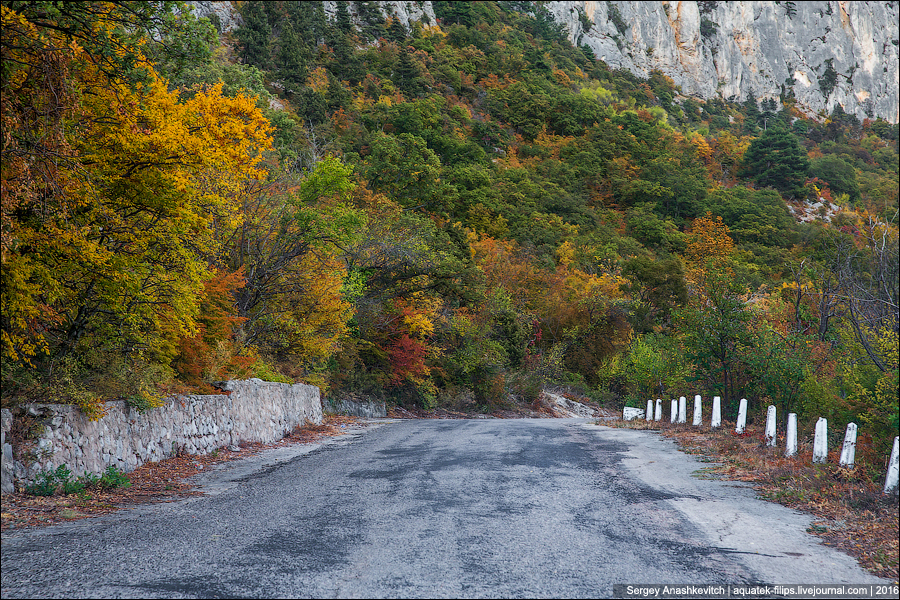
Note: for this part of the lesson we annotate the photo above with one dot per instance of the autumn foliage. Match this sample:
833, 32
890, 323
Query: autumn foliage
454, 214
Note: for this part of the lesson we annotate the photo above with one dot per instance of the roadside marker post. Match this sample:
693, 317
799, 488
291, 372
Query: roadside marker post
770, 427
716, 412
848, 450
742, 417
791, 442
820, 442
890, 482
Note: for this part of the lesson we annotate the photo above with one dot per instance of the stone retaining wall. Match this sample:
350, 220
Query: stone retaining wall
366, 410
248, 411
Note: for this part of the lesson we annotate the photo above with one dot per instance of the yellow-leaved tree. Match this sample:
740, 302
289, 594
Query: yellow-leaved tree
288, 246
709, 247
108, 250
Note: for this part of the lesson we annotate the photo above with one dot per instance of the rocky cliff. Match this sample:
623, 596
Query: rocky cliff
226, 14
824, 53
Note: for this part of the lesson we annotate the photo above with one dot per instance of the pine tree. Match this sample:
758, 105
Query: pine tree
397, 30
459, 13
253, 35
776, 159
337, 96
341, 39
293, 59
769, 111
751, 113
372, 18
309, 22
407, 76
342, 19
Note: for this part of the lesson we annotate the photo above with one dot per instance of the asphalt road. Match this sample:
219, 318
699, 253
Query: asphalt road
435, 508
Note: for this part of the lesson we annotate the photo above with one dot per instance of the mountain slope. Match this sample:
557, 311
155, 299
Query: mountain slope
824, 53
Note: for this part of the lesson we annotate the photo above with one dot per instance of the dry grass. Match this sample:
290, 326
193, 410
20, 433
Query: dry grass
851, 512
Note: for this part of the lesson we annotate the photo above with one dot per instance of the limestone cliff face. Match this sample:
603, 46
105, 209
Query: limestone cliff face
405, 10
225, 13
826, 53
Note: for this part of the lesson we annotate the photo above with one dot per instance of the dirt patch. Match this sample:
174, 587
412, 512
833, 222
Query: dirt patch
852, 514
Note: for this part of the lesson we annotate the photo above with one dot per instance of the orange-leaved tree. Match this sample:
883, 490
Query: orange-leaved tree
573, 310
709, 246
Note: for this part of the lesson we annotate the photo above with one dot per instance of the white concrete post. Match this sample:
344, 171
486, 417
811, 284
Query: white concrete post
698, 412
649, 410
770, 426
791, 443
820, 442
848, 451
674, 410
658, 409
890, 482
742, 417
716, 419
682, 409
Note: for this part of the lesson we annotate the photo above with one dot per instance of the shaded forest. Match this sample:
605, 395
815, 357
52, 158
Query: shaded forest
455, 215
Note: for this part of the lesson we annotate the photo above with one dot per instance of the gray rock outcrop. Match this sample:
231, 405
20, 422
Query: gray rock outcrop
825, 53
406, 11
224, 13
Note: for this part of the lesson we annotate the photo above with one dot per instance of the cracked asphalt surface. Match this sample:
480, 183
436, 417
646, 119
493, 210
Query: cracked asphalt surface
432, 509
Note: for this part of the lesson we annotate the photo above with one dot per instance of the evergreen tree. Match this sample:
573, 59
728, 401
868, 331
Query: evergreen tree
311, 105
776, 159
406, 75
372, 18
341, 38
309, 22
397, 30
342, 19
253, 35
751, 113
302, 30
769, 112
293, 59
459, 13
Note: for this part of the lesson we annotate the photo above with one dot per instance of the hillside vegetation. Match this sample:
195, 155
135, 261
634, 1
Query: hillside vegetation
455, 215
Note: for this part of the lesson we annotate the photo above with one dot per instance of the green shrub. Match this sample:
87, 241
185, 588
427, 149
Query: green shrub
89, 479
47, 482
60, 480
113, 478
